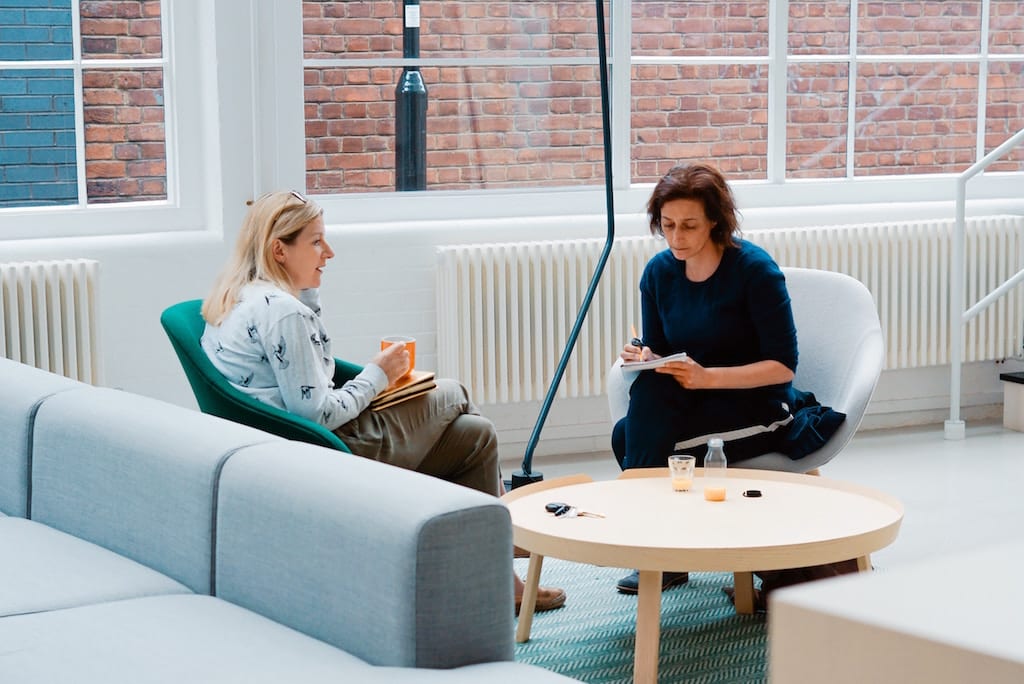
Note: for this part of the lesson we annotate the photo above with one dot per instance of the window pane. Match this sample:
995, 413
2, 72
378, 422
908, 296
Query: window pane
1006, 26
35, 30
819, 28
487, 127
699, 112
915, 118
816, 127
700, 27
120, 28
37, 138
1005, 112
352, 29
125, 147
914, 28
451, 28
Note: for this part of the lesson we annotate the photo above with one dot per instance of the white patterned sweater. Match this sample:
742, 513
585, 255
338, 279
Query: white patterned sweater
273, 347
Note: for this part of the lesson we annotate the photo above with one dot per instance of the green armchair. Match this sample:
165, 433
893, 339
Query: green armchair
184, 326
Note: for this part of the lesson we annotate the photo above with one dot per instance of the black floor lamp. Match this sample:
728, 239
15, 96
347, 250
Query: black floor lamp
527, 474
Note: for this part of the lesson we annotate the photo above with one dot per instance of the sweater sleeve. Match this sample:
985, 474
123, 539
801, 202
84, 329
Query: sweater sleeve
772, 313
305, 385
653, 327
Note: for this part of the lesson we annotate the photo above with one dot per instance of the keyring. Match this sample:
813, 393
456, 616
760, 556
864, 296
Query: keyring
561, 510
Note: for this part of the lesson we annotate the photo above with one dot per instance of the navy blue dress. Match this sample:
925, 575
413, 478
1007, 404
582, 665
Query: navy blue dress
740, 315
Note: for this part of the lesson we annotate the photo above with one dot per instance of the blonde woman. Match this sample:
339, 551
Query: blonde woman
265, 335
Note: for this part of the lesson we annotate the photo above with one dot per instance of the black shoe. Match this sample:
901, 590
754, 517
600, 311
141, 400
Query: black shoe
630, 584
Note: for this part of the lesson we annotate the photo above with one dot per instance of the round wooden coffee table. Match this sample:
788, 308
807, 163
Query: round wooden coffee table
798, 520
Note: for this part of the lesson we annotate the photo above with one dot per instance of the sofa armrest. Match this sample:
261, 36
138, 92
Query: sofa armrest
392, 566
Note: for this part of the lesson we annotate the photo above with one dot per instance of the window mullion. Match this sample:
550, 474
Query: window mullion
169, 104
851, 89
79, 104
778, 50
621, 102
983, 79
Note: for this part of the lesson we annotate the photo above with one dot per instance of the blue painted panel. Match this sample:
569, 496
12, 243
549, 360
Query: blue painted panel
35, 29
37, 137
65, 192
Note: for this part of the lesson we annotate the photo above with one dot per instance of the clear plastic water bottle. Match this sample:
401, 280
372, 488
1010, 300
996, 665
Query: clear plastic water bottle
714, 471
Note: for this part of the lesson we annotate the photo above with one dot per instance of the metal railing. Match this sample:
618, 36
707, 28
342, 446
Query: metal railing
954, 427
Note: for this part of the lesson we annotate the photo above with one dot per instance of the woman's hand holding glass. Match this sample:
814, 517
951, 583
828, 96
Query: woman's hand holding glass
394, 361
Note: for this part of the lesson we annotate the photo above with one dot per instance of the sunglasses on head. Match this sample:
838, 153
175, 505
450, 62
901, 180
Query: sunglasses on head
294, 193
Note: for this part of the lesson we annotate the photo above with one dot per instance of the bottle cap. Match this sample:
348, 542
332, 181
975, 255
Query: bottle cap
715, 442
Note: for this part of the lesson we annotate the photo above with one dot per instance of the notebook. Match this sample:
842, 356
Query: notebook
412, 385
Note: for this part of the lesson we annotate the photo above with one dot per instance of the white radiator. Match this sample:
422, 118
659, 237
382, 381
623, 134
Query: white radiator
505, 310
48, 316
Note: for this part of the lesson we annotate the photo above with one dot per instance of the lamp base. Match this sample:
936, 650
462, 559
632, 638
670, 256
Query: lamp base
520, 478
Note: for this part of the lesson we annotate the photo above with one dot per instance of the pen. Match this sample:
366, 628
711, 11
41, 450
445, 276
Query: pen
636, 341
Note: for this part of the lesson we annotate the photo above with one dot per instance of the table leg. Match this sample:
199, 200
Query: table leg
529, 598
864, 564
743, 596
648, 628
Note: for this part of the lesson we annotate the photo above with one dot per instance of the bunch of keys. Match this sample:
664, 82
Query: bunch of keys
565, 510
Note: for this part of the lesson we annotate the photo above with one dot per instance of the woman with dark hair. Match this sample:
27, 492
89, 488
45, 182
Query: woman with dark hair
724, 302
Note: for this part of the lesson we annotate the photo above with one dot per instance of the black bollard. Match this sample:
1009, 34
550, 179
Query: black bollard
411, 109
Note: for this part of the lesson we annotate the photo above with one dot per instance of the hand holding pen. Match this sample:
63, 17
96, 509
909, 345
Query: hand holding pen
636, 350
636, 341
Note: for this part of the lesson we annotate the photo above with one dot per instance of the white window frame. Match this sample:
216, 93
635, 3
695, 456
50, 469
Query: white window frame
182, 21
774, 194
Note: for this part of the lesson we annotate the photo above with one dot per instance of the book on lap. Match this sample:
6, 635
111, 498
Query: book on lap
412, 385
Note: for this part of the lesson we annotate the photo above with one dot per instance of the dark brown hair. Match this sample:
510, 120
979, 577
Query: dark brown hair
707, 185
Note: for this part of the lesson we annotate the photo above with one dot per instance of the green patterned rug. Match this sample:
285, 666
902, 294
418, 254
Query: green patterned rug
591, 638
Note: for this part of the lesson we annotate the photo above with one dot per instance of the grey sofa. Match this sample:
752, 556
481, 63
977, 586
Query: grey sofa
144, 542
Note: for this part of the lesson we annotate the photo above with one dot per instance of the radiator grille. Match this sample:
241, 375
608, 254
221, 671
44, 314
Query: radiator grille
505, 310
48, 316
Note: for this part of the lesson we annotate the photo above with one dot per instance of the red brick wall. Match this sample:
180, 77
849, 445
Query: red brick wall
495, 127
816, 124
125, 140
705, 112
487, 126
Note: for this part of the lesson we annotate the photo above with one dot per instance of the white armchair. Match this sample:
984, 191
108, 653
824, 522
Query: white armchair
841, 355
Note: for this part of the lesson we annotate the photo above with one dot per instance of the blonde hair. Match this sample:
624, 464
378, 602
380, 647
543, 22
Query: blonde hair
275, 216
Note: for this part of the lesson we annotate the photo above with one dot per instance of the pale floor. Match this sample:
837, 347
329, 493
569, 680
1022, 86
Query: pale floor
957, 495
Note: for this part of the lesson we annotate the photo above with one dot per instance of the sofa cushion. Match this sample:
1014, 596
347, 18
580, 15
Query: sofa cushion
486, 673
393, 566
200, 639
22, 388
134, 475
165, 640
44, 569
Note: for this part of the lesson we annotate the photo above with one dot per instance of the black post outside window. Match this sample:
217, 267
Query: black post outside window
411, 109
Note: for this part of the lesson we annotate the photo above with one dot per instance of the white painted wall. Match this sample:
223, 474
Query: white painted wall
382, 280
